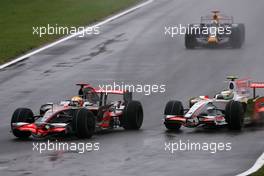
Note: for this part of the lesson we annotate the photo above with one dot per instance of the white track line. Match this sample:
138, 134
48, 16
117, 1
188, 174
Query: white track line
258, 164
74, 35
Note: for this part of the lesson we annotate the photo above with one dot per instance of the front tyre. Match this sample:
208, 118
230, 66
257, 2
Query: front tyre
84, 123
22, 115
234, 115
173, 108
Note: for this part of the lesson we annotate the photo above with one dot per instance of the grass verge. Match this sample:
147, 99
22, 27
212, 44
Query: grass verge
17, 18
259, 173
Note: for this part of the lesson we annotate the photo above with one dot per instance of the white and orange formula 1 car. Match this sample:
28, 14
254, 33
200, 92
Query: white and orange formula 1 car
233, 107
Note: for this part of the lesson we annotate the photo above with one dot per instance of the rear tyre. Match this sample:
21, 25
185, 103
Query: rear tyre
84, 123
173, 108
133, 115
236, 38
190, 39
22, 115
234, 115
243, 31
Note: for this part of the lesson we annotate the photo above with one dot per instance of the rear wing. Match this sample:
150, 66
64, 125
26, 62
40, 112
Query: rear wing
221, 19
256, 85
127, 95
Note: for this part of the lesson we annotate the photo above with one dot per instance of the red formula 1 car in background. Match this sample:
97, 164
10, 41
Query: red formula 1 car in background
232, 107
93, 110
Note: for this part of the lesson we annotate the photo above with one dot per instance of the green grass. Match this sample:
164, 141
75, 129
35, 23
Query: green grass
17, 17
259, 173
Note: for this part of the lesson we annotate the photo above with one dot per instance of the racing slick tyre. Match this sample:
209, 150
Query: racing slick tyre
133, 116
190, 39
234, 115
173, 108
84, 123
236, 38
22, 115
242, 28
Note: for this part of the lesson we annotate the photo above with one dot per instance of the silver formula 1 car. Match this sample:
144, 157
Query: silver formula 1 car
232, 107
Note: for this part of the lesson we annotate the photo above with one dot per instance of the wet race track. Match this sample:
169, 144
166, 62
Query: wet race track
134, 49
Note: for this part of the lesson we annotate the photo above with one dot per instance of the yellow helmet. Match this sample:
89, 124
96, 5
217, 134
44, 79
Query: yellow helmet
77, 101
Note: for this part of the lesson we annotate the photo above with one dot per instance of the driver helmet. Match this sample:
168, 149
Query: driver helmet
77, 101
216, 18
227, 94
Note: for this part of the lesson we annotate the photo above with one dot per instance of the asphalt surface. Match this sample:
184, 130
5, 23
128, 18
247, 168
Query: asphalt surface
135, 50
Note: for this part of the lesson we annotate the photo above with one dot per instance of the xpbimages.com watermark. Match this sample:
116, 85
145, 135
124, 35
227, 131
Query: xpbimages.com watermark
212, 147
196, 29
146, 89
82, 31
79, 147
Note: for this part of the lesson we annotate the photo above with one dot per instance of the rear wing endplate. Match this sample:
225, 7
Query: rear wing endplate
256, 85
